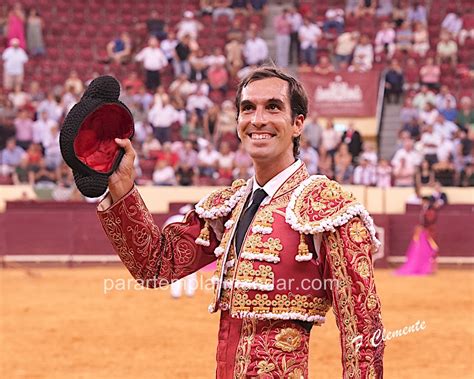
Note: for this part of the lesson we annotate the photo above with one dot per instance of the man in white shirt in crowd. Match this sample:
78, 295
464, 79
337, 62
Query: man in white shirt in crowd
255, 49
443, 97
385, 40
207, 161
162, 117
364, 54
188, 26
296, 21
309, 35
42, 128
153, 60
445, 128
14, 59
365, 174
407, 153
430, 142
198, 103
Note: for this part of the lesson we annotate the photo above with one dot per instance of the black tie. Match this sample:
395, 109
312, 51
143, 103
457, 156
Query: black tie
247, 218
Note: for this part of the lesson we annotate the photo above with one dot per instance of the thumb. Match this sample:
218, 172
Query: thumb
126, 144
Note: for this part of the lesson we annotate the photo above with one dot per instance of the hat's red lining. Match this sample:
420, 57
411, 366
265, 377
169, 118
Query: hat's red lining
94, 144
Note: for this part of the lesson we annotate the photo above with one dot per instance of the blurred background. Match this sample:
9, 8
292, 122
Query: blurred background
390, 84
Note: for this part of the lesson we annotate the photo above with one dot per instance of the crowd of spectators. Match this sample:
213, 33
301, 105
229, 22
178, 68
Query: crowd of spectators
185, 131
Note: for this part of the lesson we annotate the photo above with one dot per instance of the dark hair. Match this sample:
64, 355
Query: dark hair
296, 94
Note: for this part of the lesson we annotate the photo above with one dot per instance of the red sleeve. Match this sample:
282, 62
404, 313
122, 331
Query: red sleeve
155, 257
347, 253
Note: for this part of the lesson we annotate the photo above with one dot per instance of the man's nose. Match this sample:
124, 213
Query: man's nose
258, 118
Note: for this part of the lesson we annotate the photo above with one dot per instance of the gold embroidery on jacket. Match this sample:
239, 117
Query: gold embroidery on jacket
242, 356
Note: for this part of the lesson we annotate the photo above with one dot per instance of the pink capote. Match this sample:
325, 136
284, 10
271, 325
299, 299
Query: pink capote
421, 254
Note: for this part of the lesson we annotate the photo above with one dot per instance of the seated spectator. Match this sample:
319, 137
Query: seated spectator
365, 174
198, 103
36, 94
343, 168
44, 177
446, 150
119, 50
449, 112
151, 146
446, 49
133, 83
366, 8
65, 187
403, 173
411, 75
74, 82
207, 161
217, 57
168, 46
18, 97
330, 138
399, 13
385, 40
325, 163
188, 26
430, 74
413, 128
234, 56
52, 151
417, 13
24, 129
181, 88
218, 78
384, 174
394, 82
424, 175
369, 153
309, 156
444, 173
324, 67
222, 8
443, 97
429, 114
423, 97
363, 54
467, 176
225, 164
23, 174
334, 20
199, 65
345, 45
445, 128
404, 38
255, 49
313, 131
42, 128
309, 35
11, 156
171, 157
452, 23
188, 157
162, 118
52, 105
408, 112
410, 157
421, 42
384, 8
186, 175
156, 26
430, 141
192, 127
465, 117
163, 174
343, 155
352, 138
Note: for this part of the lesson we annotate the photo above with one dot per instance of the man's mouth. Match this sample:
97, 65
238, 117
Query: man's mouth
260, 136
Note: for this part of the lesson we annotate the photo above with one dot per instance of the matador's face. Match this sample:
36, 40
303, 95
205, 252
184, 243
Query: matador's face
265, 125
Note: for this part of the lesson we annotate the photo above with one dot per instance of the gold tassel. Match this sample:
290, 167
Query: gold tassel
303, 250
204, 238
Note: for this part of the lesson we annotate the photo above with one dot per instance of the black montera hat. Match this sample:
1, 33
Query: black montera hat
88, 133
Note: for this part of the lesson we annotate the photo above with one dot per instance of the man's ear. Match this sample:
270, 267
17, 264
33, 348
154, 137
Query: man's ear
298, 125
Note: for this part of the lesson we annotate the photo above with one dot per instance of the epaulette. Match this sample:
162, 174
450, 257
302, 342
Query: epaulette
319, 205
220, 202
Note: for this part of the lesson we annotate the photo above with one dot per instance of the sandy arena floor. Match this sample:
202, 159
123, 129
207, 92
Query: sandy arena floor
58, 323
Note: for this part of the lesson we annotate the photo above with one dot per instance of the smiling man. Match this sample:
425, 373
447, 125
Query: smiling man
288, 246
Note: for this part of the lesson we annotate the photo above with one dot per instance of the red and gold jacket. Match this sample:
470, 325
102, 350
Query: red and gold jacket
307, 249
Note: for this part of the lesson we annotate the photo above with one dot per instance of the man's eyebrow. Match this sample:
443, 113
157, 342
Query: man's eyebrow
273, 100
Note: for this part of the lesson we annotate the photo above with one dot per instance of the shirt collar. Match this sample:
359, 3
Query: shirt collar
272, 186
